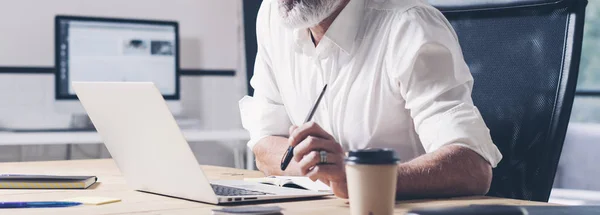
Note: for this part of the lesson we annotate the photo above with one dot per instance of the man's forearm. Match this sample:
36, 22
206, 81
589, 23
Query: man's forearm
268, 153
450, 171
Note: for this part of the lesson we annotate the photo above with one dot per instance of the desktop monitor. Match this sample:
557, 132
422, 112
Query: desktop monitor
115, 50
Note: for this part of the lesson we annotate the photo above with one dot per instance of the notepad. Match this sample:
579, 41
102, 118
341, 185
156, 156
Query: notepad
46, 182
293, 182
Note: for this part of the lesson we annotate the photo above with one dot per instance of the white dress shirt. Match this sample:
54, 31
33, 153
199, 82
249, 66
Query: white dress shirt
395, 73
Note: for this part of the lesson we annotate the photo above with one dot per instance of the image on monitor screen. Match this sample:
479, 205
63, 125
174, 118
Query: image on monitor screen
116, 50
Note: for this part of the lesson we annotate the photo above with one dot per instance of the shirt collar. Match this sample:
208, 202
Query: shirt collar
342, 31
345, 27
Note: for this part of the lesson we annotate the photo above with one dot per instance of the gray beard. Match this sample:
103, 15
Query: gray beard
306, 13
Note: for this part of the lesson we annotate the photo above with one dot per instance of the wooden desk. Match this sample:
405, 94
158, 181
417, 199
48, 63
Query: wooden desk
112, 184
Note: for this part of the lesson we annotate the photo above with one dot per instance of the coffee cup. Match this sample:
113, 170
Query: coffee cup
371, 175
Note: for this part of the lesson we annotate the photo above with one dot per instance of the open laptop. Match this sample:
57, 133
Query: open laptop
143, 138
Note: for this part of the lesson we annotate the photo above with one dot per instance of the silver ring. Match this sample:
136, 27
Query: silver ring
323, 155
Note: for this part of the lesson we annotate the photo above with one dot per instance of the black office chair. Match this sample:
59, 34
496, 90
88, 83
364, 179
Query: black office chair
524, 56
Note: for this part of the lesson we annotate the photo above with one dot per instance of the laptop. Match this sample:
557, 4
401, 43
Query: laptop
144, 140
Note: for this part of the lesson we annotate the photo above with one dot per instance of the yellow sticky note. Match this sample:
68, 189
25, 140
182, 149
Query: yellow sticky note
93, 200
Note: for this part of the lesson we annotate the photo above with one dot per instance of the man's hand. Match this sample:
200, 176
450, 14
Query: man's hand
308, 140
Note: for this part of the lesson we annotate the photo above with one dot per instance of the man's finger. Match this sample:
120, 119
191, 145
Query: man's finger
308, 162
325, 172
315, 173
325, 181
291, 130
312, 143
313, 158
308, 129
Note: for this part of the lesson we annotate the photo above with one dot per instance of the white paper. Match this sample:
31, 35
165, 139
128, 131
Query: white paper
307, 183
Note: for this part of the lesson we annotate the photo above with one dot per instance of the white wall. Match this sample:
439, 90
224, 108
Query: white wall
209, 28
211, 34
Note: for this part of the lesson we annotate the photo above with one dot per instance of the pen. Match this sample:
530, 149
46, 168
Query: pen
37, 204
287, 157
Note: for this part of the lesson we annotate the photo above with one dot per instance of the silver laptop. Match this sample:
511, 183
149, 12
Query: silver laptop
144, 140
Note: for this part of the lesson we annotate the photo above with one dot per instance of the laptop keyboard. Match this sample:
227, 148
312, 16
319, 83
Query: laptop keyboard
232, 191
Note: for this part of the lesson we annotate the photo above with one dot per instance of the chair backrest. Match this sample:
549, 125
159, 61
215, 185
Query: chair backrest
524, 56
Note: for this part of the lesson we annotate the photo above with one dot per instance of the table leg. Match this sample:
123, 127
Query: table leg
237, 158
238, 149
99, 148
21, 153
69, 152
250, 165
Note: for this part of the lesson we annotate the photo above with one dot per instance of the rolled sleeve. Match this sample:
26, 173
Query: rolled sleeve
264, 114
462, 125
438, 95
262, 119
436, 84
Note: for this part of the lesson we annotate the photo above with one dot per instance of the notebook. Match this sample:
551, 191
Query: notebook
46, 182
293, 182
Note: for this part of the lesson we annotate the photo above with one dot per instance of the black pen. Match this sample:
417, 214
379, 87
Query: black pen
287, 157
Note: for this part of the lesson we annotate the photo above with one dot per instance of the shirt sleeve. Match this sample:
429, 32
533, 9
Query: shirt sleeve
263, 114
431, 75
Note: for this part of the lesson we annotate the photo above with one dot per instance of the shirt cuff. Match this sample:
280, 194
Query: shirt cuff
461, 125
261, 119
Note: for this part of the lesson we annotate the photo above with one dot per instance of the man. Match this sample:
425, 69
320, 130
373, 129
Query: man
396, 79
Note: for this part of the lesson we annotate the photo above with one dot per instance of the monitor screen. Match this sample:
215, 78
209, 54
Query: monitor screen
116, 50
